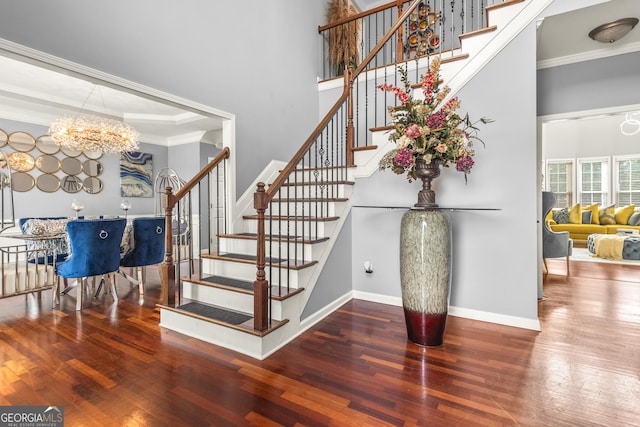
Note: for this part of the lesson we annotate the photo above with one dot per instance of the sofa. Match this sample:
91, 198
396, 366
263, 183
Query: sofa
582, 221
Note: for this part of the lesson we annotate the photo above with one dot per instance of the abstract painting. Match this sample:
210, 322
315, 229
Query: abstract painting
136, 174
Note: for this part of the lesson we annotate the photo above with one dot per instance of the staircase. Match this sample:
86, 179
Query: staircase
304, 207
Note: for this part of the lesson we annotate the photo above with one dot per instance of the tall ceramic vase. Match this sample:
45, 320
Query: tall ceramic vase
424, 274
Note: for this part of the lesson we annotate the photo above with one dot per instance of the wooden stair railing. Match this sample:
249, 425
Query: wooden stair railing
169, 202
312, 160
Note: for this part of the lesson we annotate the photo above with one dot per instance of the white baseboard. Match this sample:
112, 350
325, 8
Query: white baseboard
325, 311
484, 316
500, 319
382, 299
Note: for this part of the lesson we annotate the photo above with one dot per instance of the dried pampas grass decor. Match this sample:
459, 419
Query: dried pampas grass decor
344, 40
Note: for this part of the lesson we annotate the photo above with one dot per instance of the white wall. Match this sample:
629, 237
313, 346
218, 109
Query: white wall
591, 137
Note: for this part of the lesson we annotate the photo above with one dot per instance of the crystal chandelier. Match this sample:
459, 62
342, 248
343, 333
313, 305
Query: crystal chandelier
89, 132
94, 133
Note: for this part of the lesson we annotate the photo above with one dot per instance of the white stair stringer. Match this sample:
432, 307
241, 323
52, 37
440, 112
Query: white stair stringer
509, 21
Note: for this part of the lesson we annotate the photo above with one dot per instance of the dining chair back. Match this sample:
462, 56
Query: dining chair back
95, 251
147, 247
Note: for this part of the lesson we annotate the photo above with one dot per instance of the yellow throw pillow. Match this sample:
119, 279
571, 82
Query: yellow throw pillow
608, 215
595, 215
622, 214
549, 218
575, 214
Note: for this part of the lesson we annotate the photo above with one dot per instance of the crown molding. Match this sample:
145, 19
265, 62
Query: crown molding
588, 56
36, 57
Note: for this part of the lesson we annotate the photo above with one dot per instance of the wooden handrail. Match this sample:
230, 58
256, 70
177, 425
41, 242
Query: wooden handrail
280, 180
169, 201
360, 15
262, 198
224, 154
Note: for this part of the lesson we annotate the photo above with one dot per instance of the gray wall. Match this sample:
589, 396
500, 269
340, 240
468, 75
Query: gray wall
38, 203
600, 83
335, 279
255, 59
495, 263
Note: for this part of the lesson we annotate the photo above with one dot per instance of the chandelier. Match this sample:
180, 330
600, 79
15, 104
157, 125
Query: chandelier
85, 132
90, 132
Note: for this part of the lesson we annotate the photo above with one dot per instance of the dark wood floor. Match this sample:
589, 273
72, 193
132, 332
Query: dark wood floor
111, 365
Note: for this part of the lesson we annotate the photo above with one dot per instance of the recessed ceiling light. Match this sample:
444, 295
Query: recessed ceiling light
612, 31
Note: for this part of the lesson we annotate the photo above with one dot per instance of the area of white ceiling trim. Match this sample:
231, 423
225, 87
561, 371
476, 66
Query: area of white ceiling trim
190, 118
589, 114
588, 56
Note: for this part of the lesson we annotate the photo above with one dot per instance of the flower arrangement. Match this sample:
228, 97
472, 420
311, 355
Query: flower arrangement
425, 130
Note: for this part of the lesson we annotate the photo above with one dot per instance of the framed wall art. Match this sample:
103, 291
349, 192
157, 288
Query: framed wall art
136, 174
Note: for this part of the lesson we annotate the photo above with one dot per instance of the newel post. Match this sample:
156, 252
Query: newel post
348, 81
260, 286
168, 269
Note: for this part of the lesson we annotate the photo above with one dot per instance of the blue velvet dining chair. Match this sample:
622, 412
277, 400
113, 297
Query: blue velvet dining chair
95, 251
147, 248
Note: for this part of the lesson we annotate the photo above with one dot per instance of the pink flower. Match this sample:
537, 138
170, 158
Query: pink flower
412, 131
464, 164
402, 96
404, 158
436, 120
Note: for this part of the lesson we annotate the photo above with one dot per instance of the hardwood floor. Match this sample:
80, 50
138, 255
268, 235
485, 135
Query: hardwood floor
111, 364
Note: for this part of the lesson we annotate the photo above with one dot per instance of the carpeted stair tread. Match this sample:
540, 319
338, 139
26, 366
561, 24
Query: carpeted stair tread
293, 218
250, 259
274, 237
227, 281
216, 313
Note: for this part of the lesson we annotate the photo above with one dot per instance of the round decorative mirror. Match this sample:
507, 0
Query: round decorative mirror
21, 162
71, 184
92, 167
92, 185
93, 155
48, 183
3, 138
47, 145
22, 141
71, 166
70, 152
47, 163
21, 181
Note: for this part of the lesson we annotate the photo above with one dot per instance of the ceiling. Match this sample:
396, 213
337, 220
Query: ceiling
563, 38
38, 95
34, 94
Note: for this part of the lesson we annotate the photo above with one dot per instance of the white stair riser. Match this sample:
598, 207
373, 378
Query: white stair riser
476, 42
321, 209
237, 301
212, 333
299, 191
276, 249
304, 229
242, 271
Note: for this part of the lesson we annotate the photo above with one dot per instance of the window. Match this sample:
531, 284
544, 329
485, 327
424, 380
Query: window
593, 181
627, 180
559, 182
